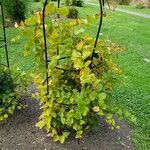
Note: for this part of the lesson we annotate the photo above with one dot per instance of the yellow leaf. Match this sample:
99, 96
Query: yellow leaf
50, 9
40, 124
73, 23
16, 25
30, 21
63, 11
95, 109
26, 53
38, 17
79, 45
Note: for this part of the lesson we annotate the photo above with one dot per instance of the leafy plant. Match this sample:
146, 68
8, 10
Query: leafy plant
67, 2
78, 3
10, 92
79, 86
148, 4
124, 2
12, 86
140, 6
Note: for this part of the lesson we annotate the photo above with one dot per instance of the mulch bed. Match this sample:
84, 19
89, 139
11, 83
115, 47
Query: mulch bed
20, 133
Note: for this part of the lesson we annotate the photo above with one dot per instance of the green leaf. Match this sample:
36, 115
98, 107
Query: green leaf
109, 116
91, 18
1, 118
55, 138
86, 53
62, 139
5, 116
102, 96
63, 11
102, 104
133, 119
93, 96
76, 127
79, 134
41, 124
82, 110
99, 87
78, 31
77, 60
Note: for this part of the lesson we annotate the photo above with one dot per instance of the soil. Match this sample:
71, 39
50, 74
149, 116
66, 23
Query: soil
20, 133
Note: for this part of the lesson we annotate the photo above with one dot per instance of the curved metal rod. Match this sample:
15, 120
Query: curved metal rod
45, 46
101, 4
4, 32
58, 5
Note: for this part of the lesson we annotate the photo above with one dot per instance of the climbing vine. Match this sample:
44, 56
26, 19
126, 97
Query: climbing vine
76, 92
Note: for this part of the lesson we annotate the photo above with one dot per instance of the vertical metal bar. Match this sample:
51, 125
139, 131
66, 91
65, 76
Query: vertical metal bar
45, 47
58, 5
101, 4
4, 32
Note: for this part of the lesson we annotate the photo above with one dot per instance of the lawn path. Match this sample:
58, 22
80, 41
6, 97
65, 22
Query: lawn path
126, 11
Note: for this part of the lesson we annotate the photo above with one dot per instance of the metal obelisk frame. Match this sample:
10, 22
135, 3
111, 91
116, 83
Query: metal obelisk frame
101, 5
4, 39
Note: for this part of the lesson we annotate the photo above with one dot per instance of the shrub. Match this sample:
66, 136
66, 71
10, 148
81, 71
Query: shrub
67, 2
80, 84
124, 2
78, 3
10, 92
37, 0
148, 4
12, 86
73, 13
140, 6
15, 9
8, 102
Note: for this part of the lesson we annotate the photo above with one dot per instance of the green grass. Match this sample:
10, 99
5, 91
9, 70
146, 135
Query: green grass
31, 7
128, 7
132, 33
133, 8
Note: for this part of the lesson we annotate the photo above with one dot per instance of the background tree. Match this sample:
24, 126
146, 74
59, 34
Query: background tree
15, 9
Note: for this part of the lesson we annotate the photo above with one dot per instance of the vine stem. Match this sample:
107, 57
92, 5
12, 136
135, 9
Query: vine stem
45, 46
101, 4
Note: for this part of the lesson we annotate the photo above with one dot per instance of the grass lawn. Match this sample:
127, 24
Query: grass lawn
133, 8
132, 93
127, 7
132, 33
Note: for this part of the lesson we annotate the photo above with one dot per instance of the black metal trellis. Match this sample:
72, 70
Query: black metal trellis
101, 6
4, 39
45, 47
